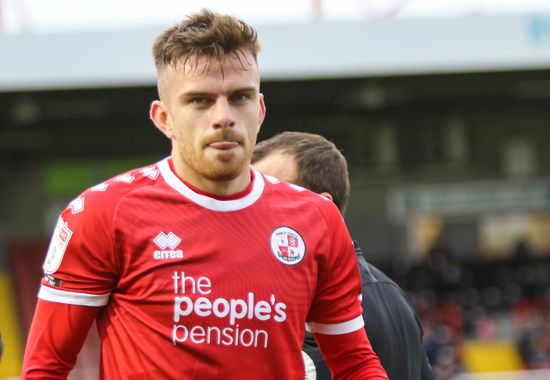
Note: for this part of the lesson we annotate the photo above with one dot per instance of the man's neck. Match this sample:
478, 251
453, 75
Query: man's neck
221, 188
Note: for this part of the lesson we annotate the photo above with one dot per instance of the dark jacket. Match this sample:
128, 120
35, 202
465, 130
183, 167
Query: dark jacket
392, 326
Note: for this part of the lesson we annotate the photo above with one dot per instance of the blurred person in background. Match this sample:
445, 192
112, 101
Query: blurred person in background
533, 339
197, 267
391, 322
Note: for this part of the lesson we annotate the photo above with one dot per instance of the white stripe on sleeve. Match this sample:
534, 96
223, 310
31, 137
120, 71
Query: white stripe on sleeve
72, 298
337, 328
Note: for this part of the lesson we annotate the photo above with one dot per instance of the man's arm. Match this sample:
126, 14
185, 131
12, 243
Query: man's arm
335, 317
57, 334
350, 356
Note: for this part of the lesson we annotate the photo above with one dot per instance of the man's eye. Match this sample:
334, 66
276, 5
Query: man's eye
199, 101
240, 97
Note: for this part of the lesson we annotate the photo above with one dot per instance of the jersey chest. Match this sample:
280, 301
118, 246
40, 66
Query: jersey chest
236, 267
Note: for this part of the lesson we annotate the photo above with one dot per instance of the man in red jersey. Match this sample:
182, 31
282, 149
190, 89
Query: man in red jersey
198, 266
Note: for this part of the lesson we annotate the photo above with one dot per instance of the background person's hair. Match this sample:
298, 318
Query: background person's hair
321, 166
205, 34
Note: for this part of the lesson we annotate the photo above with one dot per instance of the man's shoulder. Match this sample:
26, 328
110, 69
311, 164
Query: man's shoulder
375, 281
378, 275
369, 272
128, 181
106, 195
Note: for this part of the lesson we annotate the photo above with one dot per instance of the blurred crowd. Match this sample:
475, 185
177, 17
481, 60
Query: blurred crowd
504, 299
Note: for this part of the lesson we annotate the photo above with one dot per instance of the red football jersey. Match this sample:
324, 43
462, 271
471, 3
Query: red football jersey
194, 286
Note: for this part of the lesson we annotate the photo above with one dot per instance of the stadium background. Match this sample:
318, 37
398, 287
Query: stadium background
445, 122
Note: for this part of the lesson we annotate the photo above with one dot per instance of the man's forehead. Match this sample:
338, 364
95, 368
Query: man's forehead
202, 74
201, 64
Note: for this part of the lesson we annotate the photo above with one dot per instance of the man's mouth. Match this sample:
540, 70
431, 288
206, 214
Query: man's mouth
223, 145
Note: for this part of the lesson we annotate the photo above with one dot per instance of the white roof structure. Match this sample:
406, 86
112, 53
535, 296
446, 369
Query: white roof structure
121, 58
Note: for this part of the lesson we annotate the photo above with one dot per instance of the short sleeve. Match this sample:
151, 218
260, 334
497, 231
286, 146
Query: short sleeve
80, 267
336, 308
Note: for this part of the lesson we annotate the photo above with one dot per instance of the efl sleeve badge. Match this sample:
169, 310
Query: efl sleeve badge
60, 239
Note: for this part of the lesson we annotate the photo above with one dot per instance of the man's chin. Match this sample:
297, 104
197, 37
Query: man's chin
228, 156
224, 172
224, 165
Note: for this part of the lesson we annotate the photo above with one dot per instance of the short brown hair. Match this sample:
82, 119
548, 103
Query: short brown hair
321, 166
205, 34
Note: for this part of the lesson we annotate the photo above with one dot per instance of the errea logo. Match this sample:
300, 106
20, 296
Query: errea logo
77, 205
150, 172
126, 178
169, 240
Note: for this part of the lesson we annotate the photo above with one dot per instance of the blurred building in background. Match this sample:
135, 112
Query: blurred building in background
445, 124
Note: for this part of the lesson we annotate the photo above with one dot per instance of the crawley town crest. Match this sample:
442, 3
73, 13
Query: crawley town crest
287, 245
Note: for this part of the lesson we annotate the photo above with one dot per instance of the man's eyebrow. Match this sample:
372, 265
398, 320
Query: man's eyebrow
243, 89
192, 94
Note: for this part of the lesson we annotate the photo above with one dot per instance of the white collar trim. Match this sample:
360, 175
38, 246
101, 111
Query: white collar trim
211, 203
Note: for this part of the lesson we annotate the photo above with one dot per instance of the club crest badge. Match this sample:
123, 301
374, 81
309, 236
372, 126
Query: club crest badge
60, 239
287, 245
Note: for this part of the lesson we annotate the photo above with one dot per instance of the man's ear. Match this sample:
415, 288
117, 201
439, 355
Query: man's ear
159, 115
263, 110
327, 195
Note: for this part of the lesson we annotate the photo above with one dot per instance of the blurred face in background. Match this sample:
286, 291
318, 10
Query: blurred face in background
279, 164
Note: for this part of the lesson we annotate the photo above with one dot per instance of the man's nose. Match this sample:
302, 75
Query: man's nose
222, 114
